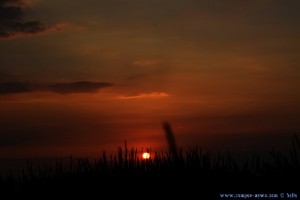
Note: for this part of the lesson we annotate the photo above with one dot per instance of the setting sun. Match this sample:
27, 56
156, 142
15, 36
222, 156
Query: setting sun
146, 155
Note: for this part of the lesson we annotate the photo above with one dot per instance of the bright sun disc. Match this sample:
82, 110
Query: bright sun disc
146, 155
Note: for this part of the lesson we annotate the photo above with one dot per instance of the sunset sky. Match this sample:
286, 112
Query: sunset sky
78, 77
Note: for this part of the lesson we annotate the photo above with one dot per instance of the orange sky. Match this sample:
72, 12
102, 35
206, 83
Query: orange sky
86, 76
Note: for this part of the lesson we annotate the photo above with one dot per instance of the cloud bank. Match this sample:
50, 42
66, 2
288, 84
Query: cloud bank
13, 20
61, 88
78, 87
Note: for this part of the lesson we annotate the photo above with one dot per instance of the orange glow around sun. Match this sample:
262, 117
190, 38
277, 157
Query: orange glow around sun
146, 155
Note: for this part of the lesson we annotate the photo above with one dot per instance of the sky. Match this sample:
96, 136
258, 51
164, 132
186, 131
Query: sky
79, 77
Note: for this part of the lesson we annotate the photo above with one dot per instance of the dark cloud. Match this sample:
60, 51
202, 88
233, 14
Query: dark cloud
14, 87
62, 88
78, 87
13, 22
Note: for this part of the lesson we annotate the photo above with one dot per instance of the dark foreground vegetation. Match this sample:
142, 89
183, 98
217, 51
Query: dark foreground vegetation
194, 173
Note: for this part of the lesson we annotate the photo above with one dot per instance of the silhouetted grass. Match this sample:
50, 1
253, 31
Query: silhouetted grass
192, 171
